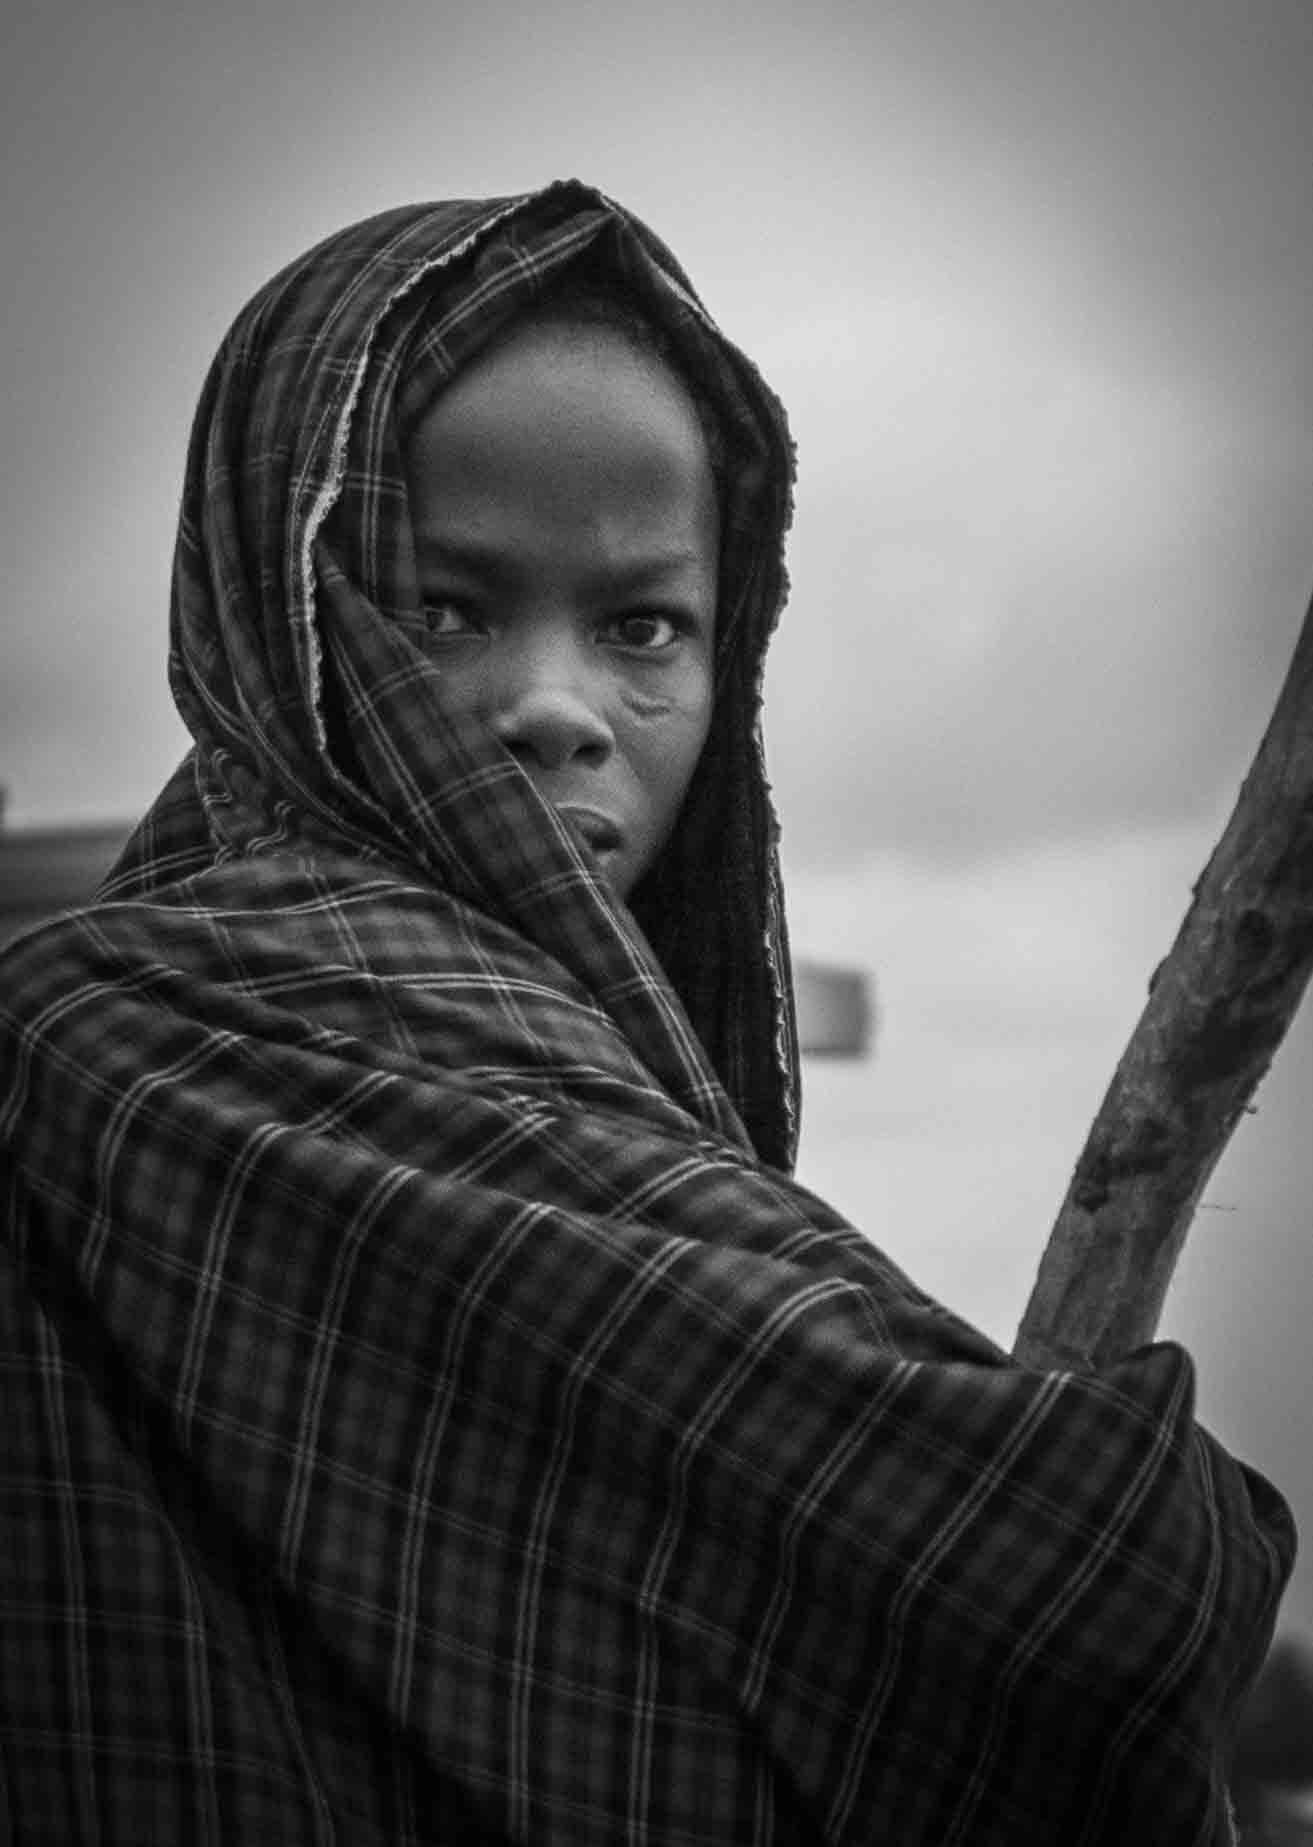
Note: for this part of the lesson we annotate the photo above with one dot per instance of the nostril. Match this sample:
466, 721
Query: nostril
550, 728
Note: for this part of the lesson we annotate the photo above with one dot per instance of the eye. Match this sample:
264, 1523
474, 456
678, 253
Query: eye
647, 631
447, 618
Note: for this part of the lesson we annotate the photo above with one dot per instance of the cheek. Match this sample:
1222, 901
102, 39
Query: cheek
699, 730
665, 739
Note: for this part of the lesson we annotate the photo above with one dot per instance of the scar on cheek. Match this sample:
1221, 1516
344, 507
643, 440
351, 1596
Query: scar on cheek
681, 696
646, 707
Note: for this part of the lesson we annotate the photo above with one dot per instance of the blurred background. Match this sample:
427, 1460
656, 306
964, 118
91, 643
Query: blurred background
1036, 283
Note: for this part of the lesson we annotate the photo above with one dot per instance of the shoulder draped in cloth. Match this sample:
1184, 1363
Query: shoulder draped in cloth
432, 1412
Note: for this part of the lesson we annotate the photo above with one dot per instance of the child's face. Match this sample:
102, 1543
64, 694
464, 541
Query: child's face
567, 543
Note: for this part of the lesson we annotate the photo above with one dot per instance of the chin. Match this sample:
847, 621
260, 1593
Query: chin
621, 880
624, 872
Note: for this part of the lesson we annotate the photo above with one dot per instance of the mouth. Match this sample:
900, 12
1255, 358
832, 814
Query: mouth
599, 834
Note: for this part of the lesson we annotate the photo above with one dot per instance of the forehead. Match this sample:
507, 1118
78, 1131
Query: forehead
542, 385
558, 419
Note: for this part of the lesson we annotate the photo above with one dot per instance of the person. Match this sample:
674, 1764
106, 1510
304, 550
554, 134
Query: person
433, 1410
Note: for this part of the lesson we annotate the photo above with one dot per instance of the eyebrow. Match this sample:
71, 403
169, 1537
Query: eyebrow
489, 563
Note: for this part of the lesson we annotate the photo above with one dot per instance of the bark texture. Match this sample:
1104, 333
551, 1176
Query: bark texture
1218, 1008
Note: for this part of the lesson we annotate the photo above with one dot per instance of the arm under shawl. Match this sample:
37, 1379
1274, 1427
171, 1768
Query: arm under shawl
634, 1491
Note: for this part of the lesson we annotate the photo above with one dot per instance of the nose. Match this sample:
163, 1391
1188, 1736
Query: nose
547, 707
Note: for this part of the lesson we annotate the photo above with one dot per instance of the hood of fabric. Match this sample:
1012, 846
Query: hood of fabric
298, 657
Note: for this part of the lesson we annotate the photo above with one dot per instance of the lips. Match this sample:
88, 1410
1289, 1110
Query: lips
597, 831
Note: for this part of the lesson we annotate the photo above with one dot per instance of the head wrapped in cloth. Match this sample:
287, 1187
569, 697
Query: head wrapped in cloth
299, 657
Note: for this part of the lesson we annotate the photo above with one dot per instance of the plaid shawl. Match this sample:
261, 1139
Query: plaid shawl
431, 1410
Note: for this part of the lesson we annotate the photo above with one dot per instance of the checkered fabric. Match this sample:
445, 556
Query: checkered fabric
431, 1412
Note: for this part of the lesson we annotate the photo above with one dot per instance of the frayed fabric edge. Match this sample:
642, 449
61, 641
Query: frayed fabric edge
304, 619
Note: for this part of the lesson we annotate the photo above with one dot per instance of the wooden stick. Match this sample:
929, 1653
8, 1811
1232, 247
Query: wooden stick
1218, 1008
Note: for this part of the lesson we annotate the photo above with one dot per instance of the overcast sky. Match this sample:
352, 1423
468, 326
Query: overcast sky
1036, 283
